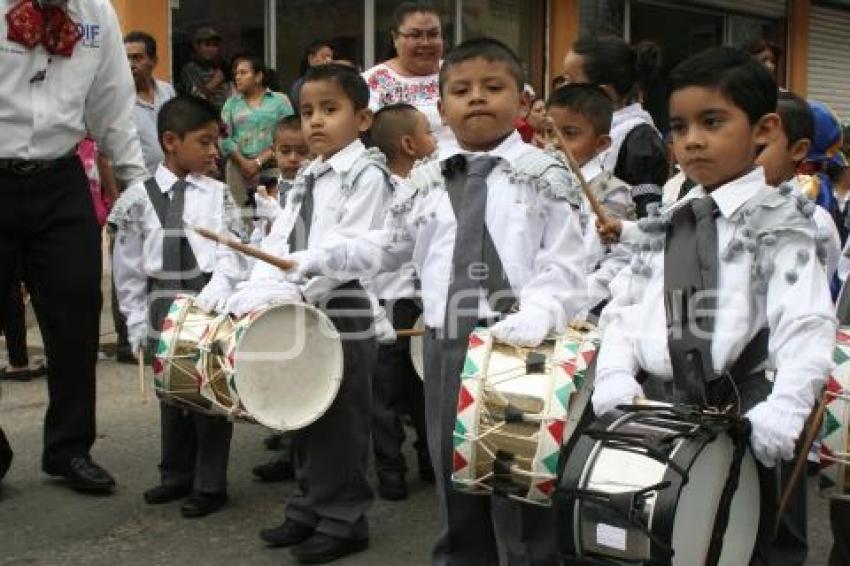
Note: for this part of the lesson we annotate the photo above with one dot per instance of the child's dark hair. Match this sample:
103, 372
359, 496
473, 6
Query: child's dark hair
487, 48
797, 121
185, 114
610, 60
736, 74
314, 47
390, 123
352, 84
292, 122
588, 100
145, 39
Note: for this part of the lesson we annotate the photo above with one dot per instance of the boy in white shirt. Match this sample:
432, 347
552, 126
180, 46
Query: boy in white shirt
156, 259
490, 225
744, 261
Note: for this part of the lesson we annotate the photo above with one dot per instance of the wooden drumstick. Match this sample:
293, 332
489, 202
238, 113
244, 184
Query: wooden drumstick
595, 205
252, 251
800, 465
410, 332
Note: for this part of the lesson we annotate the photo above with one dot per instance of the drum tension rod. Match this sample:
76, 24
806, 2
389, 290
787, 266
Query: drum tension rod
502, 481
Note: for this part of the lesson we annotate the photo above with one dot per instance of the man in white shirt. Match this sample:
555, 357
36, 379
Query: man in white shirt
58, 84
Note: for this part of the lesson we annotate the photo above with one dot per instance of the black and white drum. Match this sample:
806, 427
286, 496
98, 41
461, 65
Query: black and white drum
645, 486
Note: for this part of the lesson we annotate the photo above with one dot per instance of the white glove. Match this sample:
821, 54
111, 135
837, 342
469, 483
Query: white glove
137, 334
254, 294
614, 391
775, 432
213, 296
307, 264
384, 331
268, 207
526, 328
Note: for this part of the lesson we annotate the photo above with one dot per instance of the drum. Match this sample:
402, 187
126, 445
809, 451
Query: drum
835, 432
282, 365
417, 349
644, 486
516, 409
177, 376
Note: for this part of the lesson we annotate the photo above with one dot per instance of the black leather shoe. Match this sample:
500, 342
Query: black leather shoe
166, 493
321, 548
276, 470
392, 486
83, 475
200, 504
287, 534
125, 356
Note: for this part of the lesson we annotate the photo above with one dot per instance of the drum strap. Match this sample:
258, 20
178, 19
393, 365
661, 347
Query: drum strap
690, 285
496, 283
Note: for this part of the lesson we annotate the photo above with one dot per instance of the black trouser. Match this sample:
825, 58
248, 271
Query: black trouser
839, 521
331, 456
48, 220
396, 389
13, 315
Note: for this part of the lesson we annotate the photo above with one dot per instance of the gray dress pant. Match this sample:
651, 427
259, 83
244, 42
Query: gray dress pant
331, 456
474, 529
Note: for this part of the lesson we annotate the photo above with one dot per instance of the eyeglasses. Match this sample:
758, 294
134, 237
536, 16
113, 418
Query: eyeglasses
421, 34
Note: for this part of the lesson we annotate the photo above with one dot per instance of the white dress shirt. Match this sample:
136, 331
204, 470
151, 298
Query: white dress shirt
138, 244
826, 230
340, 210
796, 308
48, 103
536, 236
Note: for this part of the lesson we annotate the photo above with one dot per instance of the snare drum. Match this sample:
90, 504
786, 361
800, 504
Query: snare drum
835, 433
177, 376
515, 412
644, 486
282, 365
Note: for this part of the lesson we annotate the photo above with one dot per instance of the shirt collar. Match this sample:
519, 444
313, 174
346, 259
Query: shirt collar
165, 179
341, 161
591, 169
732, 196
509, 150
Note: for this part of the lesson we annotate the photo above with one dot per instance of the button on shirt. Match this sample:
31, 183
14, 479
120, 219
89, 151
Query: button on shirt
144, 116
537, 238
138, 245
799, 314
48, 103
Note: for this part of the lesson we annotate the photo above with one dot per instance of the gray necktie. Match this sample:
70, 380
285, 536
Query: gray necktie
173, 256
300, 233
705, 212
463, 297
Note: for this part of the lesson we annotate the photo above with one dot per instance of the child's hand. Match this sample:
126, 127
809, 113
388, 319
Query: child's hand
609, 231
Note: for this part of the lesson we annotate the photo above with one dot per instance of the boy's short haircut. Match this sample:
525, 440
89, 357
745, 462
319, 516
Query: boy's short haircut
292, 122
487, 48
736, 74
349, 80
390, 123
587, 100
185, 114
797, 121
145, 39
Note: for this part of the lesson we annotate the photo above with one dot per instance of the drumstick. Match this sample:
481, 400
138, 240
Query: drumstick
410, 332
811, 435
595, 205
142, 388
252, 251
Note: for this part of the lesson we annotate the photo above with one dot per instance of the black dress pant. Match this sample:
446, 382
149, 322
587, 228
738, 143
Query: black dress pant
397, 389
839, 521
14, 325
47, 220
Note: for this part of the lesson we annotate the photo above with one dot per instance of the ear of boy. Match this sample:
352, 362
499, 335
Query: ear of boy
800, 149
766, 130
364, 117
603, 142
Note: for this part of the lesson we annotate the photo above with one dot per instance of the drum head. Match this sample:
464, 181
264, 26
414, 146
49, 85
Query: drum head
417, 349
288, 365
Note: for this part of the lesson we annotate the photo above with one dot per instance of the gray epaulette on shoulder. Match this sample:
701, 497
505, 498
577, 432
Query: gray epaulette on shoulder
548, 174
122, 213
373, 157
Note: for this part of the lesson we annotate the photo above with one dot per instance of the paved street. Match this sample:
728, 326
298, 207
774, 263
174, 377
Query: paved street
42, 522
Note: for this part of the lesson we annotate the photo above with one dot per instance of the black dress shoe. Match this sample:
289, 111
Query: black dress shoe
124, 355
83, 475
200, 504
166, 493
287, 534
276, 470
321, 548
392, 486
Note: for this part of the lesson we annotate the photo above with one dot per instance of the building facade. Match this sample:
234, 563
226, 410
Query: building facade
811, 32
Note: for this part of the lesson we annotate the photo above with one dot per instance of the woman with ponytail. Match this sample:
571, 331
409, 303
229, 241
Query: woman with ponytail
637, 154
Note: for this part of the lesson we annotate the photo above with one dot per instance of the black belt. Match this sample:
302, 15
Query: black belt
26, 167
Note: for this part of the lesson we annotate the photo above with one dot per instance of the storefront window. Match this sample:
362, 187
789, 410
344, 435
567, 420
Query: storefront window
603, 17
384, 10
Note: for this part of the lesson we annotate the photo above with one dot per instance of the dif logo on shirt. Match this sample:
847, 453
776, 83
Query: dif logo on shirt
90, 35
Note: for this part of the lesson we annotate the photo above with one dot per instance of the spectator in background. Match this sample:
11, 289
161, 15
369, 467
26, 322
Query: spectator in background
204, 75
319, 52
250, 117
767, 52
